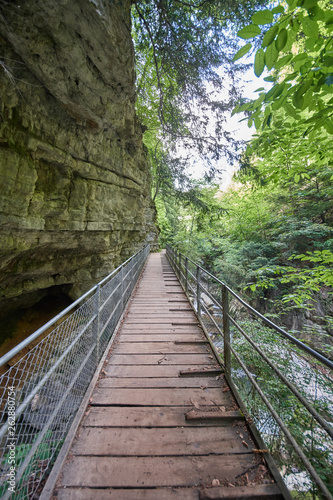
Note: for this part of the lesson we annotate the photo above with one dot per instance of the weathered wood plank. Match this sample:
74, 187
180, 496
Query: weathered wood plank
161, 442
145, 472
160, 359
198, 382
160, 397
158, 322
128, 494
161, 348
257, 492
157, 337
147, 416
150, 371
169, 328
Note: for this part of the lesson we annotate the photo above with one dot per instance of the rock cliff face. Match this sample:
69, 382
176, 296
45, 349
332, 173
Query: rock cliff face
74, 190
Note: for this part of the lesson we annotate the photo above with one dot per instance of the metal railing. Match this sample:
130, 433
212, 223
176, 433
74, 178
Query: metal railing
42, 390
284, 386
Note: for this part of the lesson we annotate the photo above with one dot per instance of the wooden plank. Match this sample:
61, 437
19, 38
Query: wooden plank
162, 316
155, 382
157, 337
183, 329
158, 359
161, 348
160, 397
162, 321
112, 370
131, 472
257, 492
148, 416
128, 494
212, 415
161, 442
206, 371
154, 309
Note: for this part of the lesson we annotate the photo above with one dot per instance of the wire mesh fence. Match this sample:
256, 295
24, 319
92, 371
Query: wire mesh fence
286, 386
42, 390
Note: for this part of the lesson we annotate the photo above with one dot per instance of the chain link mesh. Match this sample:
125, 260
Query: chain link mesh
43, 388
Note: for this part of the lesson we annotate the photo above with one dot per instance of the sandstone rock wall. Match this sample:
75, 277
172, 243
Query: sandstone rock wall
75, 184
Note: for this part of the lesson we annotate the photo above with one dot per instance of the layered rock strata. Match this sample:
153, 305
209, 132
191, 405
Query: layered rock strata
75, 183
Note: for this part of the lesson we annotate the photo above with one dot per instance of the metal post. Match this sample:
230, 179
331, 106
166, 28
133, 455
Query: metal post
226, 329
122, 286
186, 275
98, 300
180, 267
198, 292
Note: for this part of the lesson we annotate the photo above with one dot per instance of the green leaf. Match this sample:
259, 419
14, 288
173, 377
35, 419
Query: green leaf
328, 61
242, 51
290, 110
278, 10
307, 98
310, 44
279, 102
269, 36
249, 31
283, 61
296, 178
329, 80
281, 39
329, 126
262, 17
259, 62
271, 56
310, 27
316, 13
235, 110
300, 57
309, 4
298, 100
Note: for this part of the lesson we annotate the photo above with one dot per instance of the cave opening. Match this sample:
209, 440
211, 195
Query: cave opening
18, 324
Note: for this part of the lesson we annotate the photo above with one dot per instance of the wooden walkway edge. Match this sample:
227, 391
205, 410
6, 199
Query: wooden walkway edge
161, 422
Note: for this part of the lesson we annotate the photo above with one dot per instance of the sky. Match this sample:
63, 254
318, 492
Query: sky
240, 129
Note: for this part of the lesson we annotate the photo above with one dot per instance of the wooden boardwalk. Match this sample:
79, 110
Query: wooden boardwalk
161, 421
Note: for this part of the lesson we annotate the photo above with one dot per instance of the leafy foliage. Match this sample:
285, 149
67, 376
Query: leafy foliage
298, 47
184, 64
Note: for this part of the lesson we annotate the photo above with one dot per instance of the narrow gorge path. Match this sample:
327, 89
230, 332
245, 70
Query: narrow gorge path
161, 422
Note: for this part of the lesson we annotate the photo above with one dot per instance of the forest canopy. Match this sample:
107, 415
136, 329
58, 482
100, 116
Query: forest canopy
270, 234
184, 61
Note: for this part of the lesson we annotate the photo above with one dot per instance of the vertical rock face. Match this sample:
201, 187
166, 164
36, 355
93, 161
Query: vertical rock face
75, 185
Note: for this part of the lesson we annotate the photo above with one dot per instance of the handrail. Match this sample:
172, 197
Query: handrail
327, 362
41, 393
10, 354
196, 282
